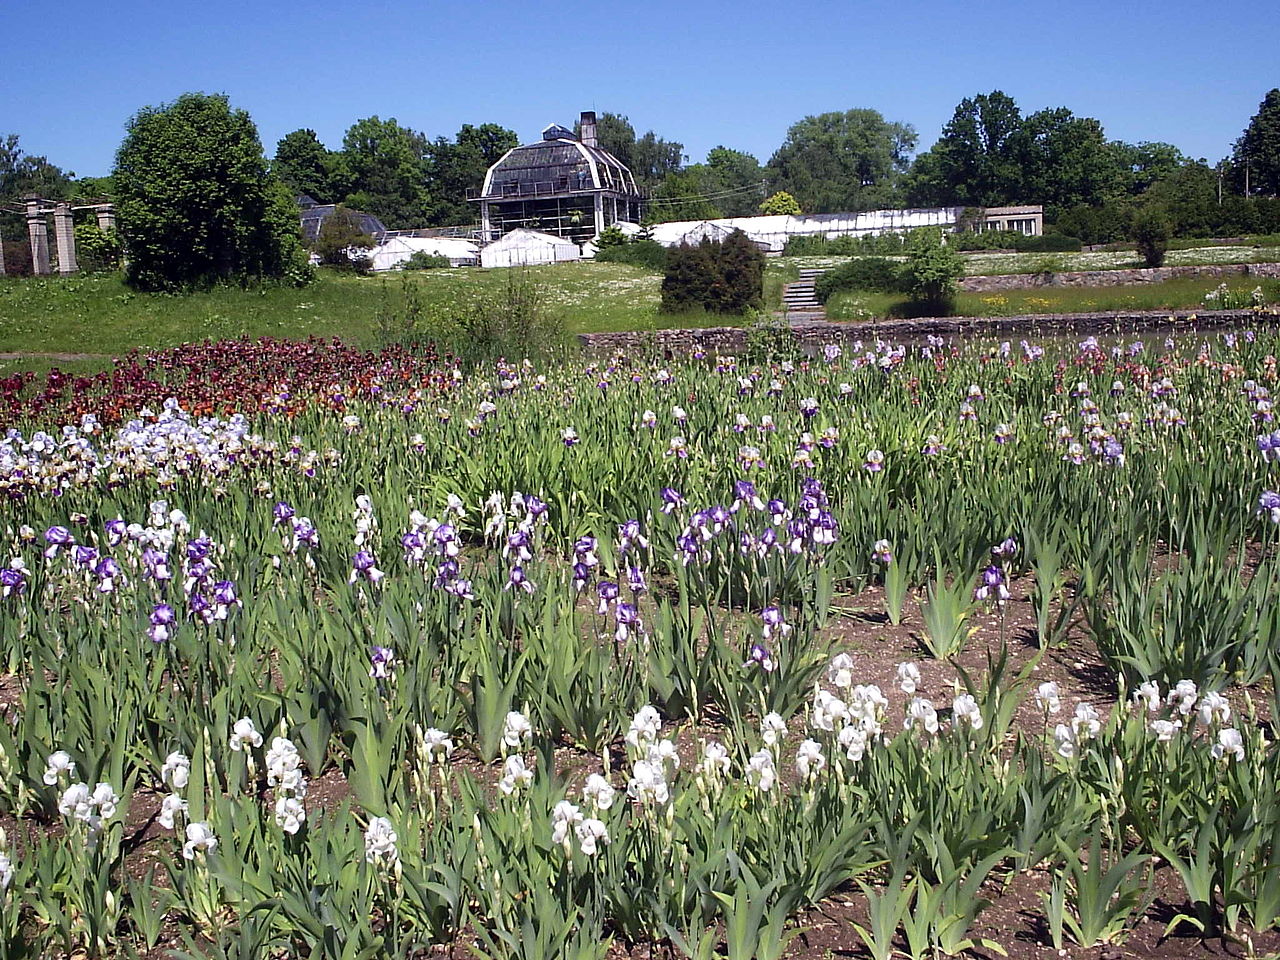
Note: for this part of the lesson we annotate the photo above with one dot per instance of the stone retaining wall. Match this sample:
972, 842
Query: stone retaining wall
817, 333
1112, 278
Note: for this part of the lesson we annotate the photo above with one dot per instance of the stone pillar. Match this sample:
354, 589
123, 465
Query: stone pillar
485, 223
106, 215
38, 230
599, 197
64, 235
1, 255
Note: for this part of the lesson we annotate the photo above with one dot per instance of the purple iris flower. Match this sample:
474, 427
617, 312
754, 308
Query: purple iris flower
282, 513
199, 548
162, 617
56, 538
636, 581
304, 531
745, 492
992, 586
773, 622
382, 663
608, 592
1005, 549
516, 578
518, 544
670, 500
627, 618
1269, 504
581, 573
13, 582
116, 530
84, 556
760, 656
108, 572
535, 506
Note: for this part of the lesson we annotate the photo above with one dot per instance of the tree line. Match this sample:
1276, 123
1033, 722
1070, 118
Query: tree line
989, 154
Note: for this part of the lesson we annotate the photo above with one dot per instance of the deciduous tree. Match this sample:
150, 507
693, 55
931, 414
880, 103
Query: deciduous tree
195, 202
388, 167
846, 161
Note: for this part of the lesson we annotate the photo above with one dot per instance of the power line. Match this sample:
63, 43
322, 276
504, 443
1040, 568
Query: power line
720, 195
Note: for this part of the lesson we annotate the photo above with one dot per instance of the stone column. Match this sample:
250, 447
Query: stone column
38, 230
64, 234
106, 215
599, 198
485, 224
1, 255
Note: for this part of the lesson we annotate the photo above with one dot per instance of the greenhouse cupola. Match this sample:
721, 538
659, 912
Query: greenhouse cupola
561, 184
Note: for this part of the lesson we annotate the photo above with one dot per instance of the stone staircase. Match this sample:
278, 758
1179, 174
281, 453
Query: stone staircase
799, 299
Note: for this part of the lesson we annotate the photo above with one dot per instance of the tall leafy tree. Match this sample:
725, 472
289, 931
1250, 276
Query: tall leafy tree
388, 168
1140, 165
843, 161
682, 195
306, 165
1258, 150
1065, 160
649, 158
196, 203
972, 163
457, 165
21, 174
734, 180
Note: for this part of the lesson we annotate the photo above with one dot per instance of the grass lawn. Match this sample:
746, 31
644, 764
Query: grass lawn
1170, 295
100, 315
987, 264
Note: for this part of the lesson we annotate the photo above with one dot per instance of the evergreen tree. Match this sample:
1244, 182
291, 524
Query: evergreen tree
1257, 152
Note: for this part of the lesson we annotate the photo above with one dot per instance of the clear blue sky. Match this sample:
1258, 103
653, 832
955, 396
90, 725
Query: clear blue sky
696, 71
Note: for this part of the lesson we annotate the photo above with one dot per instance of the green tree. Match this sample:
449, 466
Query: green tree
305, 165
931, 271
1258, 150
849, 161
21, 174
456, 166
388, 168
780, 203
742, 269
97, 249
649, 158
1141, 165
972, 163
340, 241
195, 202
1151, 230
1065, 160
734, 179
682, 195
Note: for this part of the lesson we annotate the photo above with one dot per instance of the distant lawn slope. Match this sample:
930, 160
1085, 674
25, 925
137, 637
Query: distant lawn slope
100, 315
1185, 294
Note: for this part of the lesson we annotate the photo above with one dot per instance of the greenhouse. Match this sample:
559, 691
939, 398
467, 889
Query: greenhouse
526, 248
562, 184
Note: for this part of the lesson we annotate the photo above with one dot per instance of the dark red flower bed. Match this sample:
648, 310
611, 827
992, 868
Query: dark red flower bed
208, 378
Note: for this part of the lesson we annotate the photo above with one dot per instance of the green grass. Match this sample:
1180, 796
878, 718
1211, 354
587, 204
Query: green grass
987, 264
100, 315
1170, 295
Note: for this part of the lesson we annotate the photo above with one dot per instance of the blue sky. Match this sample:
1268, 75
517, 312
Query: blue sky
700, 72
